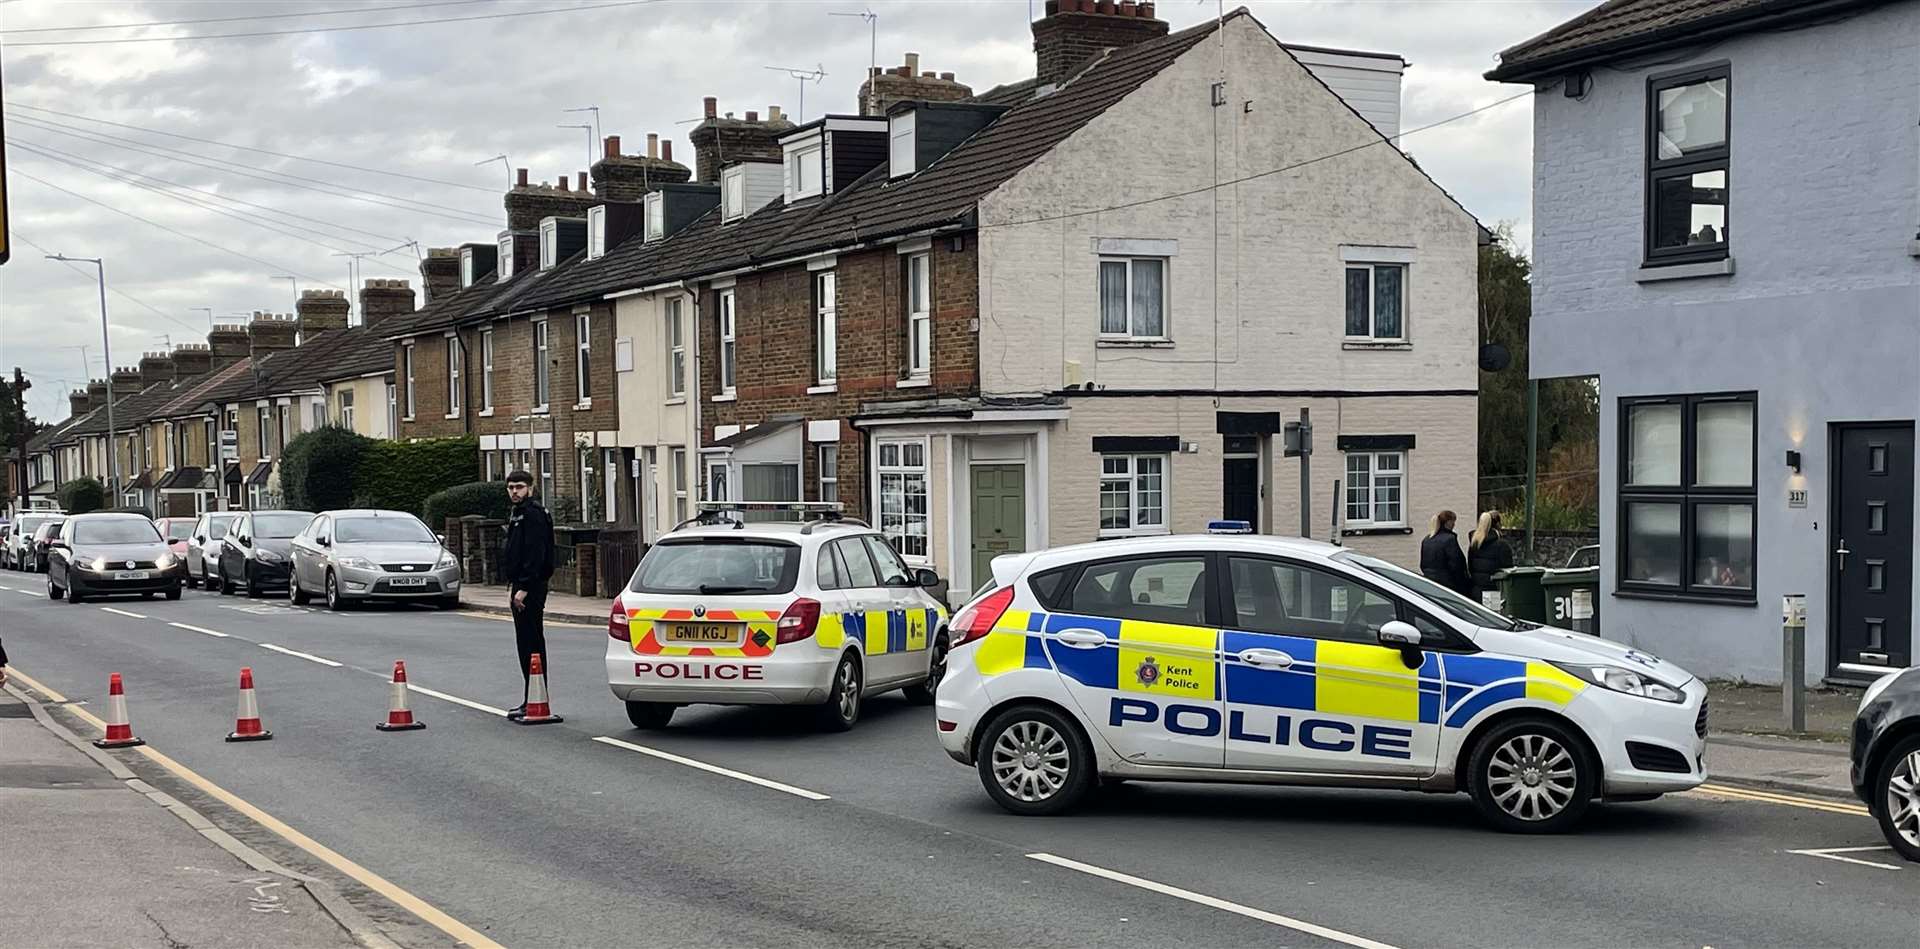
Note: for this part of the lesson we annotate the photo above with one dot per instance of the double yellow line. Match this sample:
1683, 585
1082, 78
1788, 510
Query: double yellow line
1774, 797
365, 877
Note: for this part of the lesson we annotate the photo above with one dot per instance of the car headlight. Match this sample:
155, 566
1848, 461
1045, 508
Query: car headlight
1619, 679
264, 555
165, 560
356, 563
1879, 685
99, 565
446, 560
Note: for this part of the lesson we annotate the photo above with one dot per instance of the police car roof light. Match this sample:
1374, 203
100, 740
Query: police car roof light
978, 618
799, 621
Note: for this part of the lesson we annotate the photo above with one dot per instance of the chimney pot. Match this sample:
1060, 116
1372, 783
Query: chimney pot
613, 147
581, 177
1128, 8
927, 75
666, 150
753, 115
521, 180
1146, 10
773, 113
873, 71
562, 184
913, 63
1106, 7
711, 104
1051, 8
653, 145
947, 76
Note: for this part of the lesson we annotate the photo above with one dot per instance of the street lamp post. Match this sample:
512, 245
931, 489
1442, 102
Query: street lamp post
113, 454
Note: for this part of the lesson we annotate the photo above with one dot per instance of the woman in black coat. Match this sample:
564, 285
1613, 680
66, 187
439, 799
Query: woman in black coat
1440, 558
1488, 553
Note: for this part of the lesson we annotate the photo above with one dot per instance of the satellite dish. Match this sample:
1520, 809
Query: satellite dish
1494, 357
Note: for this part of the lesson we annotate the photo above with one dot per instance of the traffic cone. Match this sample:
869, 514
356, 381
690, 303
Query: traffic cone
246, 725
119, 731
399, 716
537, 711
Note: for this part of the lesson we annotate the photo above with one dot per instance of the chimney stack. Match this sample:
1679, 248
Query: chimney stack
319, 312
229, 343
126, 381
96, 393
271, 331
191, 359
620, 177
749, 139
155, 369
886, 87
381, 298
77, 403
528, 204
1071, 32
439, 272
666, 150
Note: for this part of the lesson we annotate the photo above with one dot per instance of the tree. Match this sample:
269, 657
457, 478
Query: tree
82, 495
1569, 408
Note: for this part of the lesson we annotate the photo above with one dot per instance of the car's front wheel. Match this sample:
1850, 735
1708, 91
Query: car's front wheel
335, 601
921, 693
1898, 790
53, 589
650, 715
173, 592
1531, 776
1035, 762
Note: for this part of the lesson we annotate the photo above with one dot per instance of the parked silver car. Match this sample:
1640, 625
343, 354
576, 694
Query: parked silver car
203, 546
357, 555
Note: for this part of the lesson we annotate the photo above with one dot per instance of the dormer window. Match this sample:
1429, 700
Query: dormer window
803, 171
503, 265
656, 217
549, 243
733, 193
466, 267
900, 149
596, 232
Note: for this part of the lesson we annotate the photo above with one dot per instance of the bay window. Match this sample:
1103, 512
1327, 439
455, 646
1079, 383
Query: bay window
1687, 495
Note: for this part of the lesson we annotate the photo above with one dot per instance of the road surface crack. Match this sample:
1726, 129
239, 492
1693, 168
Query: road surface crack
165, 937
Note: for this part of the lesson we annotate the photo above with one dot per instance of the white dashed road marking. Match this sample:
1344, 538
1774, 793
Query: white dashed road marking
1834, 853
714, 769
457, 700
1276, 919
110, 609
307, 656
200, 629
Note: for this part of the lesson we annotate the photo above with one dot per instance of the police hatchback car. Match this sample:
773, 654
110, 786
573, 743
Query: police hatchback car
822, 613
1269, 660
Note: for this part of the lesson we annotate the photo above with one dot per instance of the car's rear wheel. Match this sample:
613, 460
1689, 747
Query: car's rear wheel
842, 707
1034, 761
650, 715
921, 693
1898, 789
1531, 776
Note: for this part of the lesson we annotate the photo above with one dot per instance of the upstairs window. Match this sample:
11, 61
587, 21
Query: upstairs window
900, 151
826, 357
596, 232
583, 357
453, 377
655, 210
486, 370
733, 193
676, 350
1376, 302
1133, 298
406, 368
466, 267
728, 349
919, 316
540, 367
503, 264
803, 172
1687, 159
549, 243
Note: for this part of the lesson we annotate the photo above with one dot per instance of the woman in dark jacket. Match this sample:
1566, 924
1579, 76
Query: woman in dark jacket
1440, 558
1488, 553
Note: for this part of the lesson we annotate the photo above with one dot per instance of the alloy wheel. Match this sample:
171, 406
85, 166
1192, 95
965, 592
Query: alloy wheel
1903, 798
849, 690
1030, 761
1532, 777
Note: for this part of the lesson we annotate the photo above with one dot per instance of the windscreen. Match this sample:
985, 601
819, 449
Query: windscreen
381, 530
718, 567
119, 530
179, 530
279, 526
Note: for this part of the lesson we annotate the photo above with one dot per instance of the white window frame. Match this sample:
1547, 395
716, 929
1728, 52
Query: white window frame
503, 260
822, 453
674, 308
393, 411
262, 418
344, 406
1132, 474
406, 365
798, 160
583, 359
901, 138
1374, 481
898, 470
282, 417
654, 207
319, 418
826, 328
210, 429
466, 267
543, 458
454, 366
486, 370
1372, 268
919, 304
729, 344
549, 243
596, 232
1166, 299
733, 193
167, 451
679, 481
542, 372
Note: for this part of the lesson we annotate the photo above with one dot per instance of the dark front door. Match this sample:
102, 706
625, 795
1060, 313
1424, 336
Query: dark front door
1871, 577
1240, 480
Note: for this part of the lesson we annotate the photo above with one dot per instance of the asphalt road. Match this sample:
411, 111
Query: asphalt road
544, 836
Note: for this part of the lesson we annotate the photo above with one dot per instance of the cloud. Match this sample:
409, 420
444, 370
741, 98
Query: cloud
432, 101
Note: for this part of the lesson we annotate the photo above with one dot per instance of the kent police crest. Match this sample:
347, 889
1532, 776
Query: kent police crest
1148, 673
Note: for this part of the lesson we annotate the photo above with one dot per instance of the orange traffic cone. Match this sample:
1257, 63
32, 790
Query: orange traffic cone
399, 716
119, 730
246, 725
537, 711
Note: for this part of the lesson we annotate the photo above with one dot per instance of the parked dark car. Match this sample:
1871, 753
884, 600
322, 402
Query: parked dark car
253, 555
48, 530
1886, 758
104, 554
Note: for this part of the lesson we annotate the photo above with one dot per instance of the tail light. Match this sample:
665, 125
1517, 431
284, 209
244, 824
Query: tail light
798, 622
978, 618
617, 622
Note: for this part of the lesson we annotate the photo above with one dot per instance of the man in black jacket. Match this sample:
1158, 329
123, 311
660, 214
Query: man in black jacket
526, 562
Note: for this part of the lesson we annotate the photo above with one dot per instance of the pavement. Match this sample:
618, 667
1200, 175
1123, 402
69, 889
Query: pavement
742, 827
94, 859
561, 607
1750, 743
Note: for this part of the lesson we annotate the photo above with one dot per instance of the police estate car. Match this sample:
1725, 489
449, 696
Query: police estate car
820, 613
1282, 661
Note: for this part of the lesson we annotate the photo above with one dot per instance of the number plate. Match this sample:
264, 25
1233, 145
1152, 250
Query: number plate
407, 581
130, 575
702, 633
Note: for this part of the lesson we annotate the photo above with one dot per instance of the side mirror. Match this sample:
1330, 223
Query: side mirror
246, 541
1398, 635
323, 541
57, 545
926, 578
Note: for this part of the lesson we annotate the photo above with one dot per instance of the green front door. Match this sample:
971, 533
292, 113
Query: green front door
999, 515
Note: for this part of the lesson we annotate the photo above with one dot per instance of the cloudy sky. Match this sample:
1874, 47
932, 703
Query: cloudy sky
217, 225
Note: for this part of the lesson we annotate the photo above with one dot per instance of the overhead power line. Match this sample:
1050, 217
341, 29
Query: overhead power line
262, 151
22, 238
177, 233
336, 29
235, 19
191, 158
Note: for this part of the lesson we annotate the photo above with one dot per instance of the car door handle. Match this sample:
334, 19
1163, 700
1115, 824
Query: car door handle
1083, 638
1266, 657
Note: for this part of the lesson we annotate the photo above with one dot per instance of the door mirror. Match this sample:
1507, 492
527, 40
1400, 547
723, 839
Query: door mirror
323, 541
926, 578
1399, 635
57, 545
246, 541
